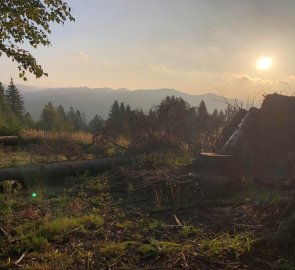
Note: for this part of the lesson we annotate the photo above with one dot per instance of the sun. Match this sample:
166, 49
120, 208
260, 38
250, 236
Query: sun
264, 63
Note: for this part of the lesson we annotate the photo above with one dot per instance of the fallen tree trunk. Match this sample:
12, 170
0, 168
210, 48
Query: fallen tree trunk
8, 140
55, 170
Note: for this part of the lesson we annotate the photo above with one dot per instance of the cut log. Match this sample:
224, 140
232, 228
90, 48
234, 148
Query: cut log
8, 140
236, 138
56, 170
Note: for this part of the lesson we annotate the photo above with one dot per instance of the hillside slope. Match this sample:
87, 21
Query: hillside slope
99, 100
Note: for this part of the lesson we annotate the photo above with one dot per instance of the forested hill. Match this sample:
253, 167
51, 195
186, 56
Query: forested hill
99, 100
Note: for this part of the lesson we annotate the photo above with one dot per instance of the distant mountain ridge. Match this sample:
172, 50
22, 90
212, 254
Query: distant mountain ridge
93, 101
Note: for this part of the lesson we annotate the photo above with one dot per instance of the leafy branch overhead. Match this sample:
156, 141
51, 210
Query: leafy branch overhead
28, 22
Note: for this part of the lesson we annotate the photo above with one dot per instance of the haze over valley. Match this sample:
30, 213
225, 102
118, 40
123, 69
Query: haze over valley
99, 100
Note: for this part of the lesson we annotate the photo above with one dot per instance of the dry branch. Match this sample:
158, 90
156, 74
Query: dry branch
177, 220
21, 258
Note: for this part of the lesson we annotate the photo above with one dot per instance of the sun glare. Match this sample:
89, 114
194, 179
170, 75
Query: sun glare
264, 63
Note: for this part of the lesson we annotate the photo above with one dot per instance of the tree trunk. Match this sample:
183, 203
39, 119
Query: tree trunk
8, 140
55, 170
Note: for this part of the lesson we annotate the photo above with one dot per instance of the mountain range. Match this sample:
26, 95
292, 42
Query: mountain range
93, 101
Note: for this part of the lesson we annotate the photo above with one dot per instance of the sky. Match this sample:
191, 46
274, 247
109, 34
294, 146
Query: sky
195, 46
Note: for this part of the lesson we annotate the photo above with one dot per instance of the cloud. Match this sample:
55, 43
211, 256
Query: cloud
244, 78
107, 63
80, 55
187, 55
287, 80
160, 68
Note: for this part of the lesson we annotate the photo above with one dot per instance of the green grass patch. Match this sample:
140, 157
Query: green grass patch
225, 243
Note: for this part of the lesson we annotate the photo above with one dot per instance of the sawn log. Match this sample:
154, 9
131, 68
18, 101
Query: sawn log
62, 169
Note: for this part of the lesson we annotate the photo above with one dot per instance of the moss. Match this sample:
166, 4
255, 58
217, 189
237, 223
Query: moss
34, 242
147, 250
63, 225
92, 221
127, 225
189, 231
223, 244
112, 250
51, 260
60, 225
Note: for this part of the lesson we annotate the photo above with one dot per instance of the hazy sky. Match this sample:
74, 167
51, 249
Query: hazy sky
195, 46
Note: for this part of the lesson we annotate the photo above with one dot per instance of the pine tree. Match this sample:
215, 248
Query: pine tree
9, 123
80, 121
2, 90
96, 125
2, 95
61, 111
14, 99
128, 110
122, 111
28, 121
114, 113
203, 115
50, 119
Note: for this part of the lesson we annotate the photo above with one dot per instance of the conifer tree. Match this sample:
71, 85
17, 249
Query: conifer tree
122, 111
96, 125
50, 119
61, 112
114, 113
9, 124
14, 99
128, 110
2, 96
28, 121
2, 90
202, 115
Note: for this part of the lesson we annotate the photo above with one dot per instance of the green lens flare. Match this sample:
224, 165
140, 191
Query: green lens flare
34, 194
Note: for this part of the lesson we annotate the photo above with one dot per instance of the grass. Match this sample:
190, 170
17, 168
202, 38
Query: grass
81, 226
37, 146
261, 195
189, 231
112, 250
60, 226
64, 225
9, 158
225, 243
41, 135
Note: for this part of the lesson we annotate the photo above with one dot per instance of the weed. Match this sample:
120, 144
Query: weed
147, 250
112, 250
59, 226
33, 242
154, 226
158, 195
166, 248
11, 188
172, 159
52, 261
189, 231
126, 226
39, 135
91, 221
225, 243
84, 256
